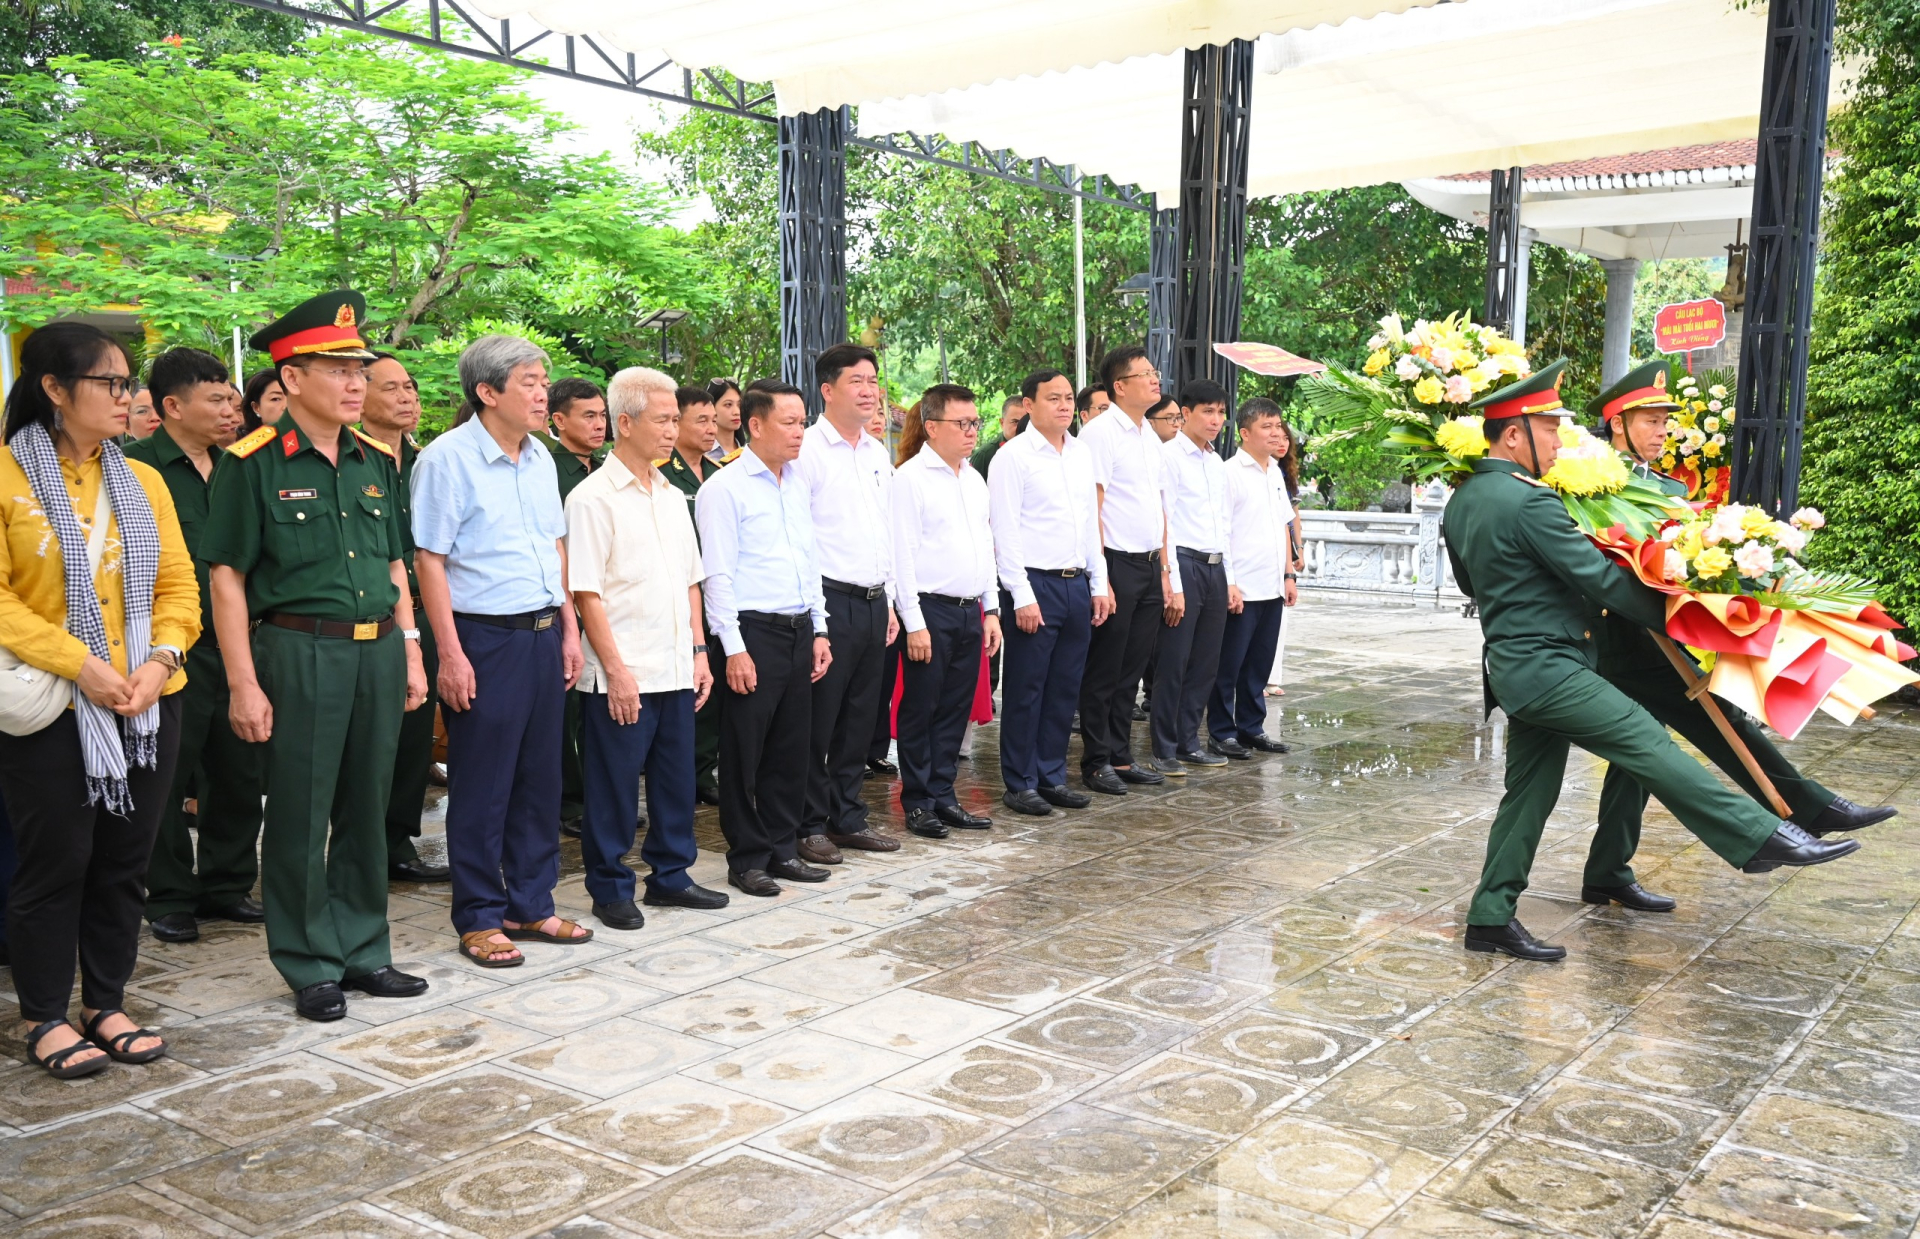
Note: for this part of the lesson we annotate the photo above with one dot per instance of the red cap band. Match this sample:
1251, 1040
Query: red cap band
315, 340
1641, 395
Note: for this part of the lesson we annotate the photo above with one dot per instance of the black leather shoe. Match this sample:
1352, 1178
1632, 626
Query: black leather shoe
175, 927
1065, 797
754, 882
570, 827
927, 824
959, 819
245, 911
1843, 814
387, 982
1139, 775
706, 792
797, 871
418, 871
1103, 780
622, 915
321, 1002
882, 769
695, 896
866, 839
1229, 747
1632, 895
1264, 744
1194, 757
1512, 939
1793, 846
1027, 802
1141, 714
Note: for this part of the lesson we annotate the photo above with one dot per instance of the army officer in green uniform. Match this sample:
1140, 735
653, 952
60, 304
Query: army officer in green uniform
687, 467
1516, 552
577, 409
322, 657
1632, 414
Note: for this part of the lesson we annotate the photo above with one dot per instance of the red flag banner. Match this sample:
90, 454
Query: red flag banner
1267, 359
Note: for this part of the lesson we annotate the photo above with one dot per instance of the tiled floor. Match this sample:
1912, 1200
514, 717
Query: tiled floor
1235, 1006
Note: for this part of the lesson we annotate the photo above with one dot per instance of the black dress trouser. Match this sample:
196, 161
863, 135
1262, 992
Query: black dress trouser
936, 701
764, 742
1189, 657
844, 704
1117, 658
81, 885
883, 717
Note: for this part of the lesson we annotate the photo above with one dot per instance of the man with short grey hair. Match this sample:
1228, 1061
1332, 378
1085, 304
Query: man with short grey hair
492, 564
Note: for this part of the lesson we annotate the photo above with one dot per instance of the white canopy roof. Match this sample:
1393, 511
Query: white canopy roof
823, 53
1396, 97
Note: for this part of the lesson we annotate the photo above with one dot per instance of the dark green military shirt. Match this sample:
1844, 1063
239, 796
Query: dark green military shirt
1517, 553
571, 469
681, 474
313, 538
189, 491
403, 503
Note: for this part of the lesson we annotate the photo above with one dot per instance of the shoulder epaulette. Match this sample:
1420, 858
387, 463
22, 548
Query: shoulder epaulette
252, 443
374, 443
730, 457
662, 462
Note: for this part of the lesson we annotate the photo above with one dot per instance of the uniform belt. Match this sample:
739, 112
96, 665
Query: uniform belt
869, 592
775, 619
1134, 557
531, 621
951, 600
1205, 557
1068, 573
368, 630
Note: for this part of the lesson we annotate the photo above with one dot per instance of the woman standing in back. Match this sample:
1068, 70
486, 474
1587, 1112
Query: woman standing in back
89, 752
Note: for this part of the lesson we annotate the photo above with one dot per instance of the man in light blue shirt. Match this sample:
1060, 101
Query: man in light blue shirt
492, 566
765, 605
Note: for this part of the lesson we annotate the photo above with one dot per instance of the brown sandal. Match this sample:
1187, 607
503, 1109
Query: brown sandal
527, 933
480, 947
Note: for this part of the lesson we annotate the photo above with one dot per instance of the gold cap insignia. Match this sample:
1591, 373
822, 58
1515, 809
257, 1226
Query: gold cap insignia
1660, 379
344, 317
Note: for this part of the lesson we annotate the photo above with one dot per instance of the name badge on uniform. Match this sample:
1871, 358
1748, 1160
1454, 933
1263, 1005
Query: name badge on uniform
302, 493
373, 492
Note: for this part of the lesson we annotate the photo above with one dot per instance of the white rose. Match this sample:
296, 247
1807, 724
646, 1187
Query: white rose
1754, 559
1791, 540
1674, 564
1713, 406
1809, 518
1718, 440
1717, 392
1377, 341
1407, 370
1711, 425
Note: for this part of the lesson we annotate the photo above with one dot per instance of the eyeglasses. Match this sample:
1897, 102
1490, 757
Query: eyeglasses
1166, 417
118, 385
1139, 374
967, 425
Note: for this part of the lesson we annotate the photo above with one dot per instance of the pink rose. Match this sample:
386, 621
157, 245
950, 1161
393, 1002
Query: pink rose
1459, 389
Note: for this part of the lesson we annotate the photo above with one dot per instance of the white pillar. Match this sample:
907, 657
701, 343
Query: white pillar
1522, 265
1616, 350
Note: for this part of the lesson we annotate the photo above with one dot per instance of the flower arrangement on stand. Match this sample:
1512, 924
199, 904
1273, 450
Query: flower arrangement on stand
1698, 431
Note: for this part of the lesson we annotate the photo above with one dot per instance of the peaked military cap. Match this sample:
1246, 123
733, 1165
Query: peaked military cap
1644, 387
328, 324
1539, 392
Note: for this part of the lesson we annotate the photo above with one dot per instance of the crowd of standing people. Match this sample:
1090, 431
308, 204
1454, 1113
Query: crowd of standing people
232, 626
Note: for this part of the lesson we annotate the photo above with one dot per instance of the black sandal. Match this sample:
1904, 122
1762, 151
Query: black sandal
56, 1062
116, 1047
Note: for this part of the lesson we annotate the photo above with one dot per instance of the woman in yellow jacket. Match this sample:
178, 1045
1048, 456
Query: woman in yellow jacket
86, 791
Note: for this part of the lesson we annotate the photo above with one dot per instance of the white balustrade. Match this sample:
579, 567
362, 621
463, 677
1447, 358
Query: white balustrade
1379, 552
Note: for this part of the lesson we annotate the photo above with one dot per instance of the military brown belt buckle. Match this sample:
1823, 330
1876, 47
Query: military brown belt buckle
366, 632
543, 623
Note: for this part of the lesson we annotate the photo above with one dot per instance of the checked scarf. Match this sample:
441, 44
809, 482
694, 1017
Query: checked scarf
109, 743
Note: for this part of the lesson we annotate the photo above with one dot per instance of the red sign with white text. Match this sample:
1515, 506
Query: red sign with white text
1686, 326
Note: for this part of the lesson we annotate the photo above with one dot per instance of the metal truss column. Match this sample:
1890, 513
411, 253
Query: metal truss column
1505, 266
1789, 167
813, 242
1210, 251
1163, 270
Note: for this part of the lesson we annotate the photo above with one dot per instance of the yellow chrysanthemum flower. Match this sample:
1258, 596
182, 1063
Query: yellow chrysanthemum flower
1712, 562
1376, 361
1428, 390
1462, 437
1585, 466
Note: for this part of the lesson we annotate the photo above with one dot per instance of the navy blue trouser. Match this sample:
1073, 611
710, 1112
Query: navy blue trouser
613, 756
1189, 657
503, 777
1040, 680
1238, 710
935, 702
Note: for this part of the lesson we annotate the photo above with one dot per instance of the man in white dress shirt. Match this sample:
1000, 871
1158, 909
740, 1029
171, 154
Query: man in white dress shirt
943, 563
1053, 580
1260, 517
764, 604
1199, 580
634, 569
1127, 470
848, 479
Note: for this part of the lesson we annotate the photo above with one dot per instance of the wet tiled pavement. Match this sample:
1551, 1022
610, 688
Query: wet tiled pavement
1235, 1007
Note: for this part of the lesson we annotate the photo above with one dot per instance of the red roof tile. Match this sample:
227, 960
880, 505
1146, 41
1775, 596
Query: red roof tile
1731, 154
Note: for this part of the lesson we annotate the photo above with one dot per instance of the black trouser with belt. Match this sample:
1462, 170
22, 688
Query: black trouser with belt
1117, 657
81, 881
937, 700
844, 704
1189, 654
764, 741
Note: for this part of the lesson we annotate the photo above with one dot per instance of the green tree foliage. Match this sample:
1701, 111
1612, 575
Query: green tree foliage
35, 32
1861, 462
1666, 283
430, 183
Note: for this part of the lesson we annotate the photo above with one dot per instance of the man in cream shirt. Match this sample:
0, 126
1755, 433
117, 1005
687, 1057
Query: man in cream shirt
635, 571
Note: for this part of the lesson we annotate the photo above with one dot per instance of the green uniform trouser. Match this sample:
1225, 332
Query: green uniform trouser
228, 822
1584, 709
1623, 800
337, 706
413, 760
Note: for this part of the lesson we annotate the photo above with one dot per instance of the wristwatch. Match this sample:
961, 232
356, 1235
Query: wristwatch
699, 649
167, 656
409, 634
